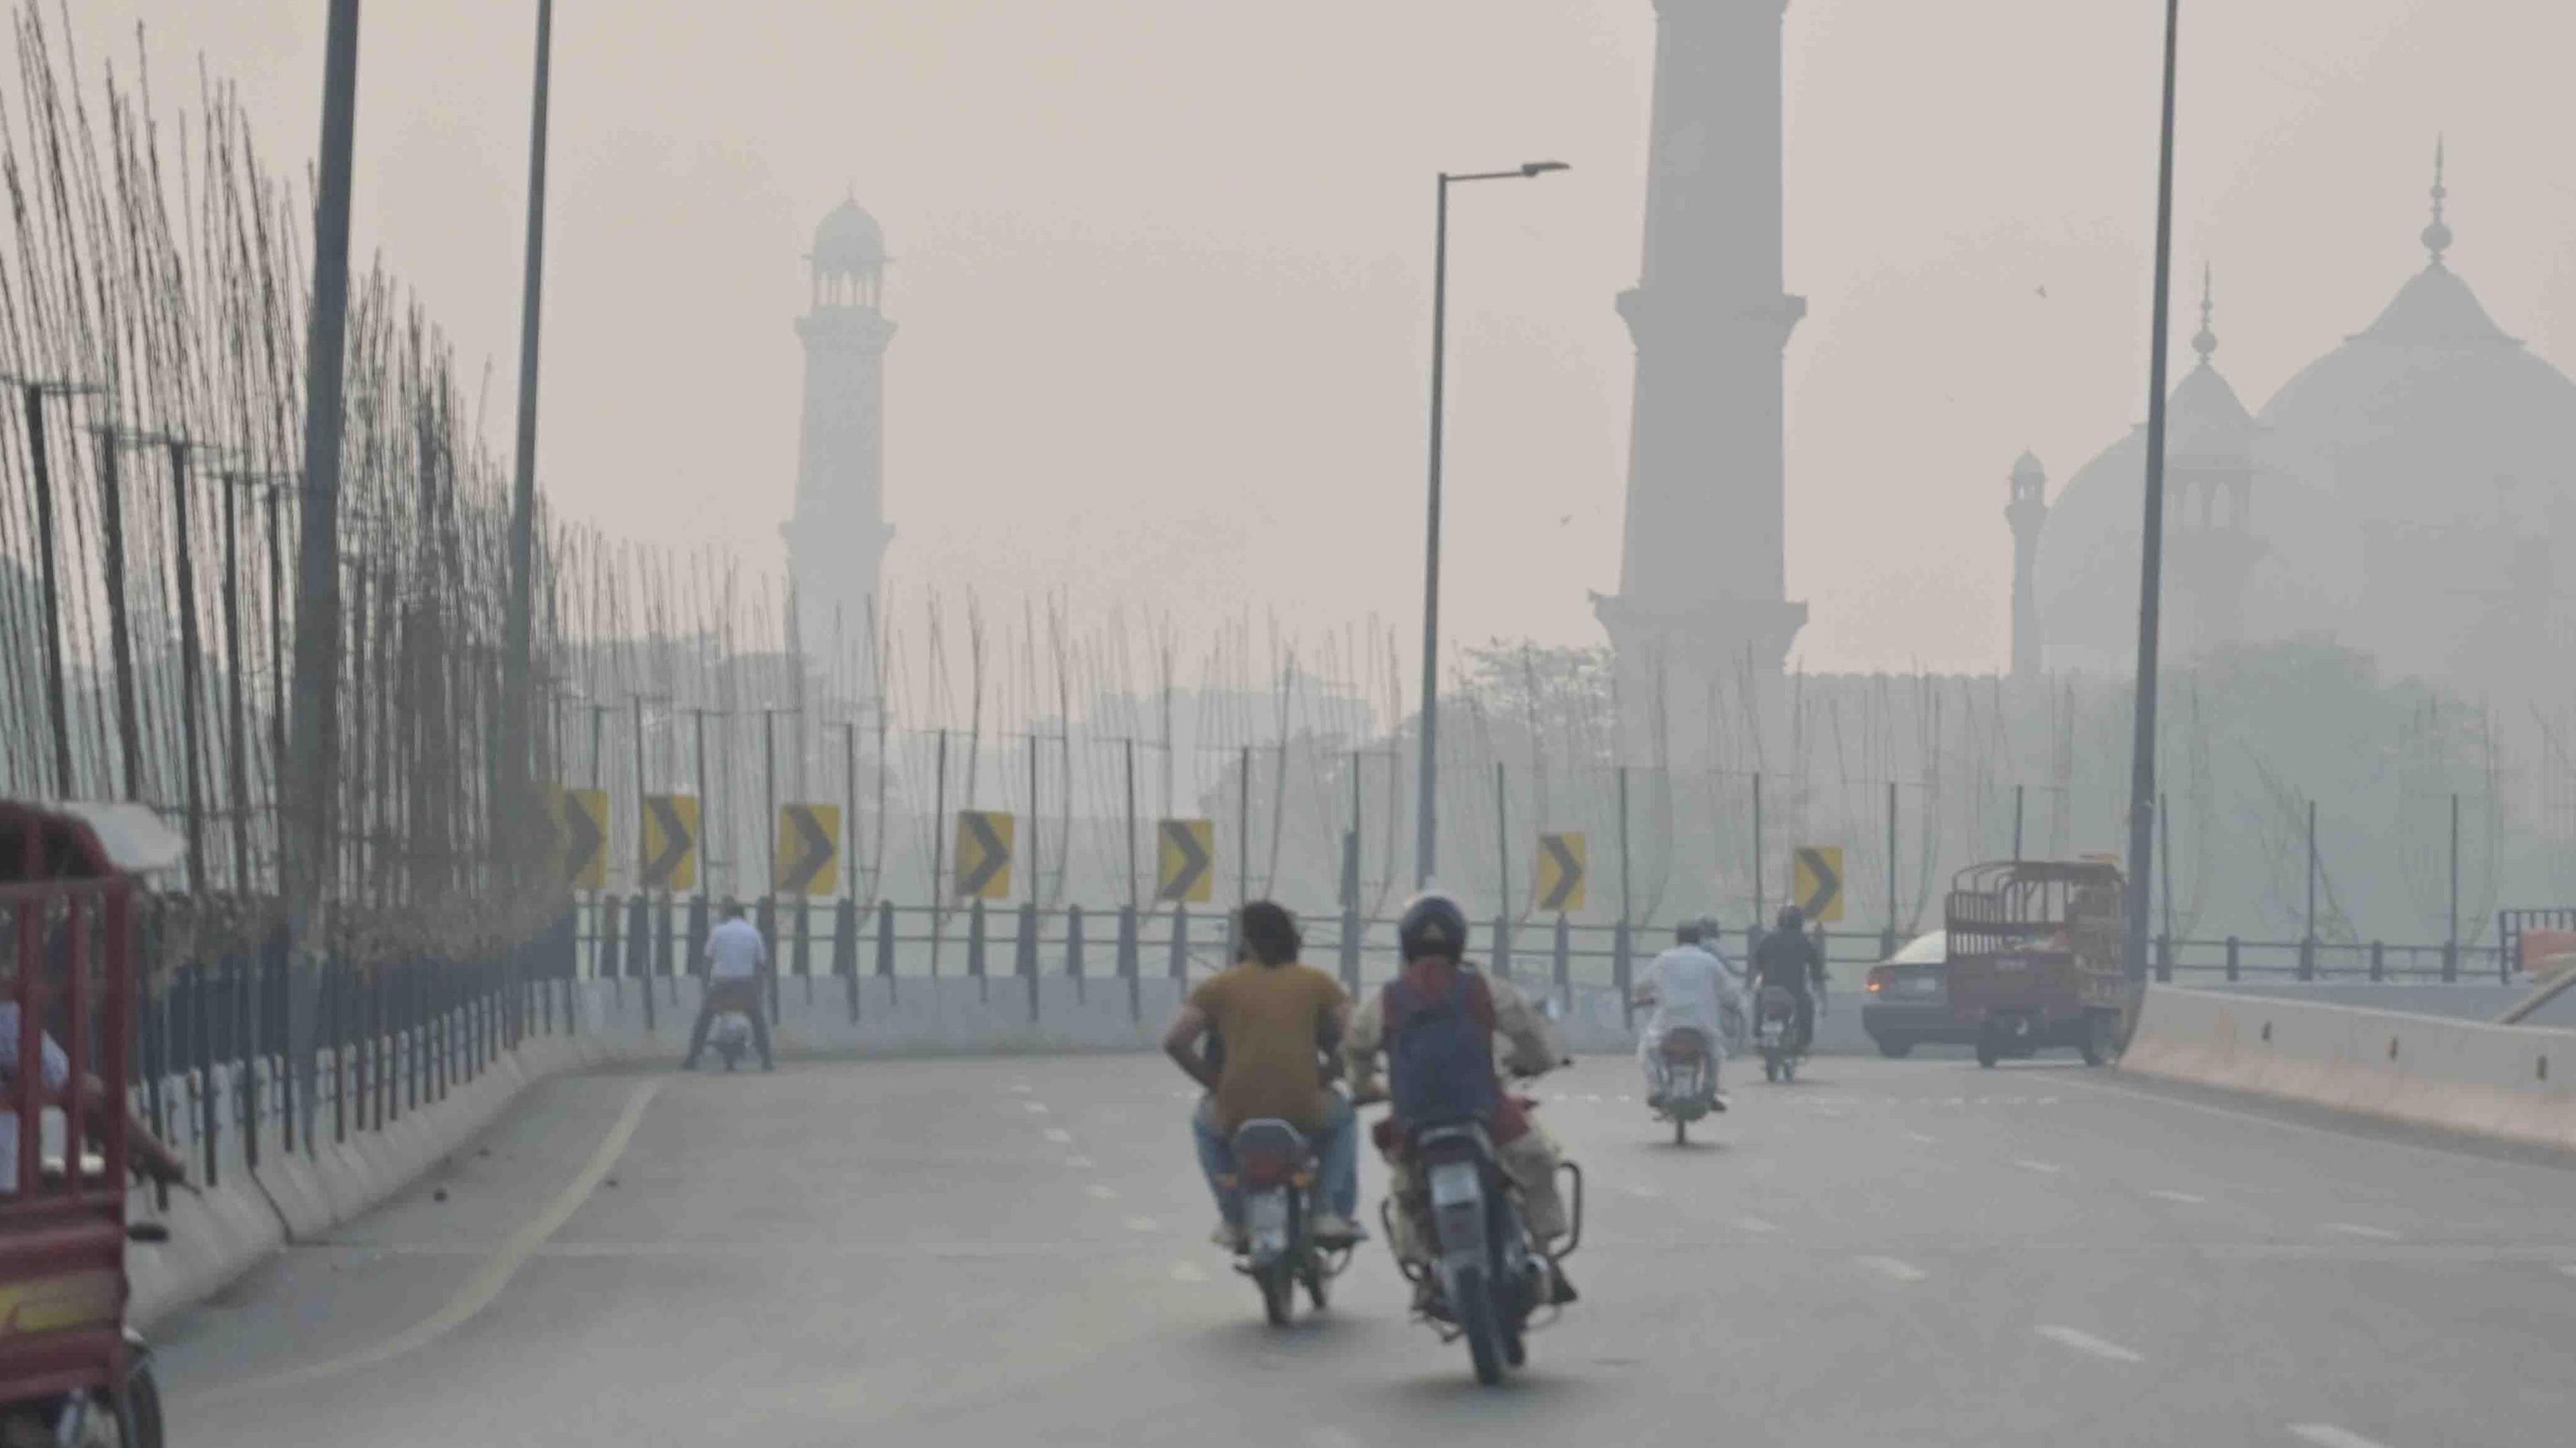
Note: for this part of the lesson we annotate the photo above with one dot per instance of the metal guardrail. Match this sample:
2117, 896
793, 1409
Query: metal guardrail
630, 938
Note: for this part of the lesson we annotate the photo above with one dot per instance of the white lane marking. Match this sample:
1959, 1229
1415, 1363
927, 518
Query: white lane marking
1078, 1163
2327, 1435
2568, 1268
1901, 1271
1021, 1088
1640, 1189
2356, 1229
1059, 1136
1625, 1100
1756, 1224
2046, 1168
1035, 1108
488, 1280
2088, 1344
2186, 1198
1926, 1140
2048, 1101
1100, 1193
1143, 1224
1187, 1272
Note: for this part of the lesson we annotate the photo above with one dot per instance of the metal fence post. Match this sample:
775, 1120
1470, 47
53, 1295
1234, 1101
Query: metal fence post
1180, 942
2450, 961
1354, 932
885, 938
1024, 954
1564, 965
1073, 943
1131, 962
210, 1113
975, 941
2232, 965
845, 950
2378, 961
2164, 958
1621, 967
2308, 958
1502, 944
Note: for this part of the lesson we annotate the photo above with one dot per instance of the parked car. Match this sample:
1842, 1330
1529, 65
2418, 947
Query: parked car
1907, 1002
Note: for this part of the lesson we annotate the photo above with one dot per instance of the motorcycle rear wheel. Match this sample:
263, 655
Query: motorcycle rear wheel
1278, 1292
1473, 1306
139, 1412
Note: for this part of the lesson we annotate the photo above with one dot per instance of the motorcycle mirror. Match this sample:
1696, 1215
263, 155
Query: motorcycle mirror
148, 1233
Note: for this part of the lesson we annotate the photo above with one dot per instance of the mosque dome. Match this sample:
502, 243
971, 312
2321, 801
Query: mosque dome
2393, 481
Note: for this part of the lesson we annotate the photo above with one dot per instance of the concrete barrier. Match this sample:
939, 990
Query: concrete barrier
2516, 1083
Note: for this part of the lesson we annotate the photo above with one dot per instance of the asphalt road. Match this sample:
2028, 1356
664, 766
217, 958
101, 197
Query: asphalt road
1012, 1252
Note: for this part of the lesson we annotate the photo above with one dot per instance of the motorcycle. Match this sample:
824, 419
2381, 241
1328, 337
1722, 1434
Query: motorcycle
1488, 1278
1778, 1021
1690, 1080
730, 1032
730, 1036
1274, 1172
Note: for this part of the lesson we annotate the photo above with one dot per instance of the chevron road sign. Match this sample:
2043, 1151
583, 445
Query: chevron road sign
581, 836
1818, 887
809, 849
983, 854
670, 842
1561, 873
1188, 855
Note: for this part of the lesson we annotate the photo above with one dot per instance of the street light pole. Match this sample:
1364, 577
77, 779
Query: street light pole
2142, 778
519, 626
1426, 832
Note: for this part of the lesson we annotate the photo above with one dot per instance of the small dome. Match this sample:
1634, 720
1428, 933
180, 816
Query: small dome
2026, 469
849, 240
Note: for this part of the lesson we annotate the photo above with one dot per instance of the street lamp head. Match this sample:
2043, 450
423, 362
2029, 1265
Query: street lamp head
1541, 168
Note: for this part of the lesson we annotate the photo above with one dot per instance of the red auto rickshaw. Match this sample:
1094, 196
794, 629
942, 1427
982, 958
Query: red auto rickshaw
2034, 949
69, 1367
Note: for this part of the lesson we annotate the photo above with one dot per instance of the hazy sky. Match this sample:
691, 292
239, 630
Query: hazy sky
1163, 266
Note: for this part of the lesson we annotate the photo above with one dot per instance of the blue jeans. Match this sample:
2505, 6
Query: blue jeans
1337, 1149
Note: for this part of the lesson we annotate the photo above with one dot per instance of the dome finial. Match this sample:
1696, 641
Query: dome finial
2205, 342
2437, 237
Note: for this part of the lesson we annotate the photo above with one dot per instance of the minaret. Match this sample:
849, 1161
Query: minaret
2027, 512
837, 540
1703, 577
2210, 545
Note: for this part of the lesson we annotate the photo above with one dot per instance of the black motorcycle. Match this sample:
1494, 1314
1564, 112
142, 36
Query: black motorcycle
1274, 1170
1488, 1278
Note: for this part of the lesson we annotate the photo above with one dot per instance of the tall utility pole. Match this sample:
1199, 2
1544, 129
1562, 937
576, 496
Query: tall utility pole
317, 610
120, 634
518, 627
2151, 539
1427, 827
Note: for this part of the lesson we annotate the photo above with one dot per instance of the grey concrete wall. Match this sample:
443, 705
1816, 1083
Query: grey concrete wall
2512, 1082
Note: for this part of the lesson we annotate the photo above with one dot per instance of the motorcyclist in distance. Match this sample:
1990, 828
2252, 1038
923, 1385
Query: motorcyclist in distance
1789, 959
1437, 983
1687, 986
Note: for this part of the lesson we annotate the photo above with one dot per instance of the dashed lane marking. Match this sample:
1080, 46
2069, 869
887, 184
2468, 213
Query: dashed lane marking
1143, 1224
2327, 1435
2186, 1198
2087, 1344
2569, 1268
1101, 1193
1920, 1137
2356, 1229
1035, 1108
1641, 1190
1021, 1088
1188, 1272
488, 1280
1078, 1163
1059, 1136
2045, 1168
1889, 1266
1756, 1225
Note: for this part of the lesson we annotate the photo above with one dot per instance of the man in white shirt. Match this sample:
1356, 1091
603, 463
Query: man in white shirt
1686, 985
737, 961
